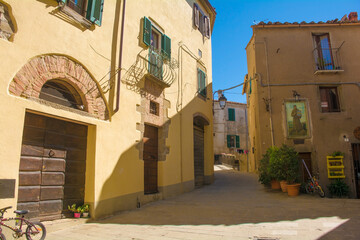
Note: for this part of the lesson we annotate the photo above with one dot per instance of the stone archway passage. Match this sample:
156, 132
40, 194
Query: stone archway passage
29, 80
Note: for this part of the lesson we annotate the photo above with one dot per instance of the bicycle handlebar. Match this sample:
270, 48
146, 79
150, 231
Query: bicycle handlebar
4, 209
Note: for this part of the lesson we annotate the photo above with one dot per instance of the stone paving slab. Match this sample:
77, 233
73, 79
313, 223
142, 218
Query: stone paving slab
236, 206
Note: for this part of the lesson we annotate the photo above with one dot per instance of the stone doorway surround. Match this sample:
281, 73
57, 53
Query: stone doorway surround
29, 80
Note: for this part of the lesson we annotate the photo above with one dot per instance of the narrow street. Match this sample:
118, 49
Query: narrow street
236, 206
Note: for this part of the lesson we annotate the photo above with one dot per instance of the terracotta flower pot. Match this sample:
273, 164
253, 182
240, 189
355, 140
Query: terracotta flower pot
77, 215
275, 184
283, 185
293, 189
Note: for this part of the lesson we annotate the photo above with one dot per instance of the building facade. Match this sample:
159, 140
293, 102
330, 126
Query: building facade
231, 134
104, 102
302, 90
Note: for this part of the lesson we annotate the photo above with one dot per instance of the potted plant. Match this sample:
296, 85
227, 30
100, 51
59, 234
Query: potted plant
266, 173
76, 210
85, 210
277, 167
291, 169
339, 188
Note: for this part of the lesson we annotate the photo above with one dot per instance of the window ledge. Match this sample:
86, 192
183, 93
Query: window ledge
75, 16
328, 71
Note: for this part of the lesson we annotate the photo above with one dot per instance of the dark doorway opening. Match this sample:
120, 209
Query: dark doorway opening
356, 158
150, 157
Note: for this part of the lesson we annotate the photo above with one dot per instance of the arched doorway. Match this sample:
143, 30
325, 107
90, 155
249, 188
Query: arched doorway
199, 122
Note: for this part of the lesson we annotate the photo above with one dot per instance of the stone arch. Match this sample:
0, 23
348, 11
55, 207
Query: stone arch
29, 80
8, 25
200, 119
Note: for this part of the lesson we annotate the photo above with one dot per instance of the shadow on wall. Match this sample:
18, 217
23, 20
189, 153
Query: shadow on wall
128, 173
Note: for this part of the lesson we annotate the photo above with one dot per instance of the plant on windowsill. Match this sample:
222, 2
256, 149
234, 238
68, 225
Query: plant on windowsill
76, 210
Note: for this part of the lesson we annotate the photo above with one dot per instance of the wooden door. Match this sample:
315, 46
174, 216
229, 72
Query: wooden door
150, 157
46, 166
198, 156
356, 159
307, 159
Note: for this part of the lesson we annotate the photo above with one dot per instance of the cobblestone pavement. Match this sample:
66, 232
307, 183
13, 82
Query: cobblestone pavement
236, 206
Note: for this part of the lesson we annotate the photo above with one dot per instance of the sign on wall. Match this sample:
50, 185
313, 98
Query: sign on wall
297, 123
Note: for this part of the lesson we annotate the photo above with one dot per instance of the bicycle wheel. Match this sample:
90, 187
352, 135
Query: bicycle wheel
2, 236
320, 191
35, 231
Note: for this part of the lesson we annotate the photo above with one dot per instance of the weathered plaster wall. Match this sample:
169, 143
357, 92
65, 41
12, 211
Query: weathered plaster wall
285, 55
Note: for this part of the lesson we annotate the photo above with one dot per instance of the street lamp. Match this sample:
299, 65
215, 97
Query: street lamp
222, 101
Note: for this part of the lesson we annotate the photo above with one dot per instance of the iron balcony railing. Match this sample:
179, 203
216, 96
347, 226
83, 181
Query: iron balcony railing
327, 59
152, 63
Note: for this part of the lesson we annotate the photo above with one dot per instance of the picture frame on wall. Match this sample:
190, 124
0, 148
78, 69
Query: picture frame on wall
297, 121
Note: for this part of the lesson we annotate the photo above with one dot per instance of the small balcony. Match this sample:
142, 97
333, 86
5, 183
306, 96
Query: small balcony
154, 65
327, 60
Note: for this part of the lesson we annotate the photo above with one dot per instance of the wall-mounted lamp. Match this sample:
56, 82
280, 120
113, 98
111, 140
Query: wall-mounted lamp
222, 101
296, 95
346, 139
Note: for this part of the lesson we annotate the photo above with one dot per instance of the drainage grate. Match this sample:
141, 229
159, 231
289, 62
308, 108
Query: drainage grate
265, 238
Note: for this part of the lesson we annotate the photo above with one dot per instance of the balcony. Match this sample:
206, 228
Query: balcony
327, 60
154, 65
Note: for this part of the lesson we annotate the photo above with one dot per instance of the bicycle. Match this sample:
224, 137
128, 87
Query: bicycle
313, 184
34, 230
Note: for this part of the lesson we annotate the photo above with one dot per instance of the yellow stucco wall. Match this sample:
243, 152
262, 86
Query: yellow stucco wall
114, 168
284, 55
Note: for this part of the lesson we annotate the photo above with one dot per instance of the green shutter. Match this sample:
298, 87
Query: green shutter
94, 11
63, 1
147, 31
202, 82
237, 141
231, 113
166, 46
229, 141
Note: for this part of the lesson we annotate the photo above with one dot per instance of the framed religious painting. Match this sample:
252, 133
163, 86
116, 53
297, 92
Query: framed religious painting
297, 121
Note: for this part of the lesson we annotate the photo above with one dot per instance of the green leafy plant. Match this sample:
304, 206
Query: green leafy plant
338, 188
337, 154
85, 208
279, 164
74, 208
264, 172
290, 164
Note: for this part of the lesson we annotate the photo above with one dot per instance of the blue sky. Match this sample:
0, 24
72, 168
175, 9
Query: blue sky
232, 31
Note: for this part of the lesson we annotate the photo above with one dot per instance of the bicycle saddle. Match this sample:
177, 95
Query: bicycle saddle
21, 212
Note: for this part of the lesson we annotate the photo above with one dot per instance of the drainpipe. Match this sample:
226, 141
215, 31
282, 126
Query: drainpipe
120, 60
247, 139
269, 91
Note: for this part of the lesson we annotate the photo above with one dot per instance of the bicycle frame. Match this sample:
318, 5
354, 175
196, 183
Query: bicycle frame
18, 227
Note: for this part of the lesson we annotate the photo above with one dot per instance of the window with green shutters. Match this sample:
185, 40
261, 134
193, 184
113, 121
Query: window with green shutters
202, 83
159, 47
150, 38
233, 141
231, 114
92, 10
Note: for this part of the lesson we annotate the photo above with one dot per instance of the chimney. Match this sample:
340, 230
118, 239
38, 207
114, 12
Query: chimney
353, 17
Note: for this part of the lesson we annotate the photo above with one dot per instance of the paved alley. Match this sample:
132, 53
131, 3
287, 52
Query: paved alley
236, 206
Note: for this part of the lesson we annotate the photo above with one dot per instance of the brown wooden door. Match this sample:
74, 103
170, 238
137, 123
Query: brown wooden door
46, 174
307, 159
356, 158
150, 157
198, 156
